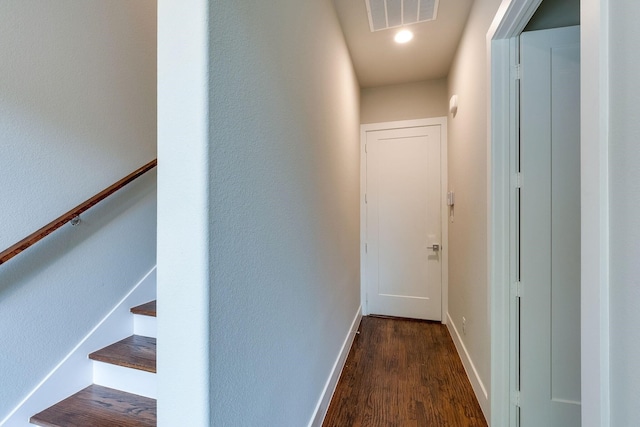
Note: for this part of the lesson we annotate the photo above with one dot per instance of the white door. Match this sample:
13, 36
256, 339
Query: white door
550, 228
403, 229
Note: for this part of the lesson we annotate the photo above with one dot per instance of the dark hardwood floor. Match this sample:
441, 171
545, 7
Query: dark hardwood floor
403, 373
97, 406
134, 352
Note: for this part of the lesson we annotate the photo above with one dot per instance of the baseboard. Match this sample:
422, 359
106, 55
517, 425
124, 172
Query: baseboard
478, 387
75, 371
330, 386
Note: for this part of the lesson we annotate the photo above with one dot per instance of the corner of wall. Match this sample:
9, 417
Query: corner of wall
332, 382
472, 373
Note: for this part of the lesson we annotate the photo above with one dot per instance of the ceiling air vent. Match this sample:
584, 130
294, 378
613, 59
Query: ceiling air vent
385, 14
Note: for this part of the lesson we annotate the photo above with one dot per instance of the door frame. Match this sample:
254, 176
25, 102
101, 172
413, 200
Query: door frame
511, 18
444, 215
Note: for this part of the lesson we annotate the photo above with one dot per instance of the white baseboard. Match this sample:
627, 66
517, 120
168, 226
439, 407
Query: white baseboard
478, 387
75, 371
330, 386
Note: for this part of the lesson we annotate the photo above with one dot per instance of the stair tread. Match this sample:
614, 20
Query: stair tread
135, 352
146, 309
99, 406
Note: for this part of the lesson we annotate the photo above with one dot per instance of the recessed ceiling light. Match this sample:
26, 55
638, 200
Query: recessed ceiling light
403, 36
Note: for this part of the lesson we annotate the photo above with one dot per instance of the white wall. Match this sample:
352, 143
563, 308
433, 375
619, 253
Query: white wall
284, 207
77, 113
624, 173
183, 214
408, 101
276, 200
468, 282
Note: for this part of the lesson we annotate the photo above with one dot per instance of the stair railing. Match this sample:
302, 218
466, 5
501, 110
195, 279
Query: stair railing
73, 215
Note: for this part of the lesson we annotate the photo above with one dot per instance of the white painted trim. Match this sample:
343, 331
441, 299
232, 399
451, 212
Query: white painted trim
75, 371
509, 22
444, 216
330, 386
594, 148
401, 124
499, 233
476, 383
511, 18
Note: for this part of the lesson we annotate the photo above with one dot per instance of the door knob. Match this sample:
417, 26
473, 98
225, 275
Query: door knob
435, 247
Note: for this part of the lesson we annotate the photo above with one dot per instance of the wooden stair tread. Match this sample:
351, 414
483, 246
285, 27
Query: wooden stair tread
135, 352
98, 406
147, 309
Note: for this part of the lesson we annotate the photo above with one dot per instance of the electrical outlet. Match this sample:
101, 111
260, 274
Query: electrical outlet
464, 326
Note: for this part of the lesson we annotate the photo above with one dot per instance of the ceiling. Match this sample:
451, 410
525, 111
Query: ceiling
379, 61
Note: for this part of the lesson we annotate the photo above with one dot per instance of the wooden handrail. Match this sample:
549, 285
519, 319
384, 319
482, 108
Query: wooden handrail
32, 239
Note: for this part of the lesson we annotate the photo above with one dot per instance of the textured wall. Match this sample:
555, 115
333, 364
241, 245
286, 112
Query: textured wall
77, 113
409, 101
183, 213
284, 207
624, 174
468, 281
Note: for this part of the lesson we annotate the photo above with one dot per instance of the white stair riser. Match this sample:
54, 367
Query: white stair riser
126, 379
145, 326
75, 371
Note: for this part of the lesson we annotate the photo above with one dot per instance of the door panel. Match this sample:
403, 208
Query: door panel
550, 229
403, 221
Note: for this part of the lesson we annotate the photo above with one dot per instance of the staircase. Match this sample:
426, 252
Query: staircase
124, 383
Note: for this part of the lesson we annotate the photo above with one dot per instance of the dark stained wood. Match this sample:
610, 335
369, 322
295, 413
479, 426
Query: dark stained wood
97, 406
147, 309
403, 373
135, 352
35, 237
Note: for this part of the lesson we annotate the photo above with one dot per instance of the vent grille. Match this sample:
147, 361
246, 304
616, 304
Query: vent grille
385, 14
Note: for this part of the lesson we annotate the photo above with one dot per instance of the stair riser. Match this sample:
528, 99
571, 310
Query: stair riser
145, 326
126, 379
74, 372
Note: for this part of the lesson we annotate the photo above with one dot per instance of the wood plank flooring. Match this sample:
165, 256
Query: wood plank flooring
134, 352
403, 373
147, 309
98, 406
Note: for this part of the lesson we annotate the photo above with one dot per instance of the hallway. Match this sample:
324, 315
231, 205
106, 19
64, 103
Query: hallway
403, 373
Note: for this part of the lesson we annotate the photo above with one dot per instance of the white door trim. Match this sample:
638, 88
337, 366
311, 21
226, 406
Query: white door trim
509, 22
442, 122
